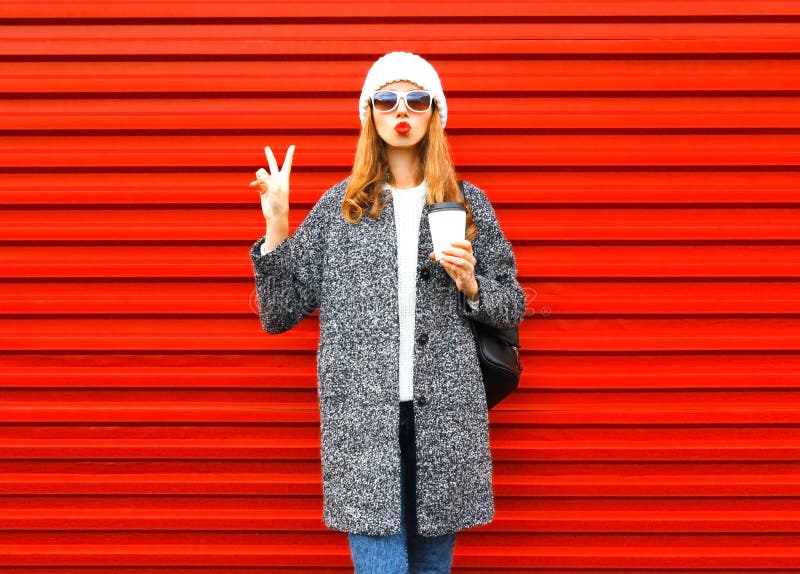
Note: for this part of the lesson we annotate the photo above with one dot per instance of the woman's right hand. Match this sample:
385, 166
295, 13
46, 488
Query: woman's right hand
274, 187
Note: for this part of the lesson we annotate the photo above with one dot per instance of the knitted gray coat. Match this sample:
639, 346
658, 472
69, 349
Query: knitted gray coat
349, 272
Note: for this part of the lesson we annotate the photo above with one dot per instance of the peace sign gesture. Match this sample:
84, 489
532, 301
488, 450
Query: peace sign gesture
274, 187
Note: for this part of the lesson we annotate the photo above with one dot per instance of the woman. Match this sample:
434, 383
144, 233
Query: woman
403, 418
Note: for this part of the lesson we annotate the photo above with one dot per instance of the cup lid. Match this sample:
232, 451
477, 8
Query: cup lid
447, 205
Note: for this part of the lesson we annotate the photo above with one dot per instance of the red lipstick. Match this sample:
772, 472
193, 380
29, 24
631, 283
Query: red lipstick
402, 128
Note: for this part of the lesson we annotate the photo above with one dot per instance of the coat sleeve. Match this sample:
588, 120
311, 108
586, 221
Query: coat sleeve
501, 301
288, 278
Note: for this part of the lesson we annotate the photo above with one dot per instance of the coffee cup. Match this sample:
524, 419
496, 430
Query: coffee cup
448, 223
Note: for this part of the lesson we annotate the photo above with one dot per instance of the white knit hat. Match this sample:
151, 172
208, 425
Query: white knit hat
397, 66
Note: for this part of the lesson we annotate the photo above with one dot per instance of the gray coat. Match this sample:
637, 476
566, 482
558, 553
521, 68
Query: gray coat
349, 272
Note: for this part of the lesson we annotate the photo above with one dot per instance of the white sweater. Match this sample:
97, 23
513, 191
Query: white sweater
408, 204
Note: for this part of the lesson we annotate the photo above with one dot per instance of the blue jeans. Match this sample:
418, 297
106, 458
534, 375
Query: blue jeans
407, 551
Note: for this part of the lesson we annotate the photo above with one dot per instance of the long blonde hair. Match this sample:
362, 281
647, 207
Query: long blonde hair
370, 168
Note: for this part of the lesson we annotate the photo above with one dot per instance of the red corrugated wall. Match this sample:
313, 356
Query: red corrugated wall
642, 157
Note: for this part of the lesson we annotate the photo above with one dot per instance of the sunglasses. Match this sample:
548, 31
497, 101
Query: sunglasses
416, 100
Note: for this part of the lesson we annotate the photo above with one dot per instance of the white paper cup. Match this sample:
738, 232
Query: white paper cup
448, 222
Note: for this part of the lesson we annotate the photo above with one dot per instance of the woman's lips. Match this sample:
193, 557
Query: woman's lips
402, 128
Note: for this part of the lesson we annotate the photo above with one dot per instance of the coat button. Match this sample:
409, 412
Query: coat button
425, 274
422, 400
422, 339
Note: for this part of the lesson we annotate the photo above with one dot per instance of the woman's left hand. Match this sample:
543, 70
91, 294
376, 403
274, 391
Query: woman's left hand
459, 263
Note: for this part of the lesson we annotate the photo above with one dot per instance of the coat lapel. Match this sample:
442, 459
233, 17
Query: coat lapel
387, 233
425, 244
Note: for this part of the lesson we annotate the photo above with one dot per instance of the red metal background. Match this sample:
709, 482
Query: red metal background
642, 157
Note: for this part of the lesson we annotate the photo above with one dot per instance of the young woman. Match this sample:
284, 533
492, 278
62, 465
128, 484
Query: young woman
404, 426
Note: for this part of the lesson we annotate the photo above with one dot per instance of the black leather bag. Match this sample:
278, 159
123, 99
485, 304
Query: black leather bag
498, 353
